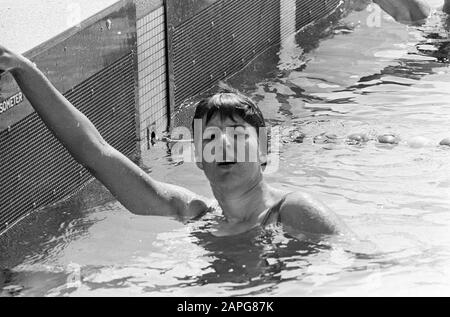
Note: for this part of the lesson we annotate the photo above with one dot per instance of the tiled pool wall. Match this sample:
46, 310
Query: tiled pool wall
212, 43
94, 66
129, 68
152, 73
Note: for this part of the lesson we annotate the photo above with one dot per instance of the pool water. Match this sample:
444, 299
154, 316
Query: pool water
353, 78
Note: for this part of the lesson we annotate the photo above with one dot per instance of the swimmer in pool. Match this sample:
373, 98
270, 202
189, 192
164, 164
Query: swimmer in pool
245, 198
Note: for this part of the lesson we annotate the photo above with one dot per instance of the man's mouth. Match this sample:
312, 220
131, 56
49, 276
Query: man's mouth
226, 164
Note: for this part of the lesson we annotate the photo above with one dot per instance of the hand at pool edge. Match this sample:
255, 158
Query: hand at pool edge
446, 7
414, 12
10, 61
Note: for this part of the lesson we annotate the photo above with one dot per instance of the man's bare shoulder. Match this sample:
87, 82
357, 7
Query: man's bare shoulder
302, 212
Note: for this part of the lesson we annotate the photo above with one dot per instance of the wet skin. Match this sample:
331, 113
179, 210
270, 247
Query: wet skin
406, 11
413, 12
244, 196
239, 188
446, 7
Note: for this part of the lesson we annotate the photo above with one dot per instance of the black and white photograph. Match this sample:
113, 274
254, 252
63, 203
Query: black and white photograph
223, 149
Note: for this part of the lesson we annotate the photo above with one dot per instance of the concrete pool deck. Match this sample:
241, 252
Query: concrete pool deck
26, 24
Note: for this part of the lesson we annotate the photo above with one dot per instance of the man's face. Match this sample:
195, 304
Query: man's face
230, 152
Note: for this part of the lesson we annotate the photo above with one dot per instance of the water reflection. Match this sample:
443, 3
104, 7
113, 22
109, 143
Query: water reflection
254, 258
396, 197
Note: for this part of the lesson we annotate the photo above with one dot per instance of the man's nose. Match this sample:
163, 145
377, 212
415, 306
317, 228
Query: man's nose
227, 140
227, 146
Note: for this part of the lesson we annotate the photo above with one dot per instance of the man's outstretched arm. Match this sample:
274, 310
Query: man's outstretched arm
132, 187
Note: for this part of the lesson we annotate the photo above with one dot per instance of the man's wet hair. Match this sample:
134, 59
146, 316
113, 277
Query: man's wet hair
229, 103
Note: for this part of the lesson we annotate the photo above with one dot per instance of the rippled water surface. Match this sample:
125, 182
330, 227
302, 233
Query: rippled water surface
352, 79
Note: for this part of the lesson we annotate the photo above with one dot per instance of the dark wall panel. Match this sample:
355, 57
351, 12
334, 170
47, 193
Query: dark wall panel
36, 170
77, 54
95, 66
211, 40
220, 40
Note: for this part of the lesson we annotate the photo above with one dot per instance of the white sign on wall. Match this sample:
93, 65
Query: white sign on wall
10, 102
